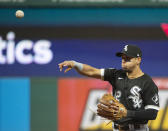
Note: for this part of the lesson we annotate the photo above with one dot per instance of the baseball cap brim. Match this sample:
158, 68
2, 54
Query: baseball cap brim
119, 54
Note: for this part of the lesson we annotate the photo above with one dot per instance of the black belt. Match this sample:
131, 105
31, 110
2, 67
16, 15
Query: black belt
126, 127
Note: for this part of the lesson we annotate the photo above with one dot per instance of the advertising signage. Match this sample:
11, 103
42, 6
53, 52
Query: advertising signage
23, 53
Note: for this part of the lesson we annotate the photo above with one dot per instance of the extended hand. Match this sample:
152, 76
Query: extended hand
68, 64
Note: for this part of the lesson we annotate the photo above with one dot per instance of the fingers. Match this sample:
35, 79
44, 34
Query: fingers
108, 103
68, 64
105, 102
109, 115
60, 66
103, 107
105, 116
69, 68
115, 108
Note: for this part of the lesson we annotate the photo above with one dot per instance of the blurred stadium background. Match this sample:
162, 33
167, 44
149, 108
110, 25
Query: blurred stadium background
35, 96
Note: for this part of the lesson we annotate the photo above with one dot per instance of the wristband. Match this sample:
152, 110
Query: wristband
78, 65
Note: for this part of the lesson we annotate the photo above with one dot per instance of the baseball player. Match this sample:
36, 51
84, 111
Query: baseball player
131, 87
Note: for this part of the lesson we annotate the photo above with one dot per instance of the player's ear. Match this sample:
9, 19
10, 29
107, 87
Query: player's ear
138, 60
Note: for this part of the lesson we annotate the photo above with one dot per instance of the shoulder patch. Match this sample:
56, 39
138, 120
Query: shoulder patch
155, 98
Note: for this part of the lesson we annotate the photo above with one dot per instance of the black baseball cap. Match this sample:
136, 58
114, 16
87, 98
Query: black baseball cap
130, 51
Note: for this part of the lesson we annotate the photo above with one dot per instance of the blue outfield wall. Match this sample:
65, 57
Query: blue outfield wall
97, 53
14, 104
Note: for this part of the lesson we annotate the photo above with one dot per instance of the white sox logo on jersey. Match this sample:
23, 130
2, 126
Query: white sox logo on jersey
136, 97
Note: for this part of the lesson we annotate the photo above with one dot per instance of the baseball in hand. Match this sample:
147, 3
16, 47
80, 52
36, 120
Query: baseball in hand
19, 14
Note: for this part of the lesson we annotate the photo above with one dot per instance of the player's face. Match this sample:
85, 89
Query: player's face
128, 63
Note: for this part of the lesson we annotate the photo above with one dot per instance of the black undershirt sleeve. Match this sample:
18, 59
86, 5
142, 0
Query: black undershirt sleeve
149, 114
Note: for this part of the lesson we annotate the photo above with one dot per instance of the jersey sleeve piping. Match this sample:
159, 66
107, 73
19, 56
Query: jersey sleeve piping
152, 107
102, 73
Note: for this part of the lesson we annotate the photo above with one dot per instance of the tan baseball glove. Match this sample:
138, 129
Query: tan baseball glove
110, 108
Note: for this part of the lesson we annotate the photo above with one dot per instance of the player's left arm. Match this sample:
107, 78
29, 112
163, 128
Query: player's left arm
146, 114
149, 114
